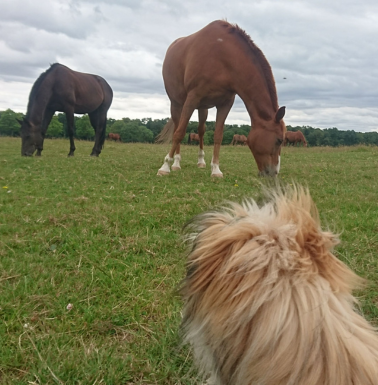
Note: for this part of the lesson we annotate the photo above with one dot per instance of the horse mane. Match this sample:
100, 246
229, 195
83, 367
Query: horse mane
38, 83
264, 64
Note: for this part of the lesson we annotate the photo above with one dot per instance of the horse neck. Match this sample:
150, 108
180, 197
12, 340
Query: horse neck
260, 107
38, 103
257, 89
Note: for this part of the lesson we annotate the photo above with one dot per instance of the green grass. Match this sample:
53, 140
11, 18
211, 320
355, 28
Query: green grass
103, 234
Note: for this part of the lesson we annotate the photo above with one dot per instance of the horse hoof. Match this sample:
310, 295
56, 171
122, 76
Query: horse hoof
217, 175
161, 173
175, 168
201, 165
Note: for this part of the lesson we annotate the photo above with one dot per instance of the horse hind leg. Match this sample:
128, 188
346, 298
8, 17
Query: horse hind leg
202, 116
70, 129
98, 122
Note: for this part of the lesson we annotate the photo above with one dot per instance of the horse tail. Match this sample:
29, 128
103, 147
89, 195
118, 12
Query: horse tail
189, 138
166, 133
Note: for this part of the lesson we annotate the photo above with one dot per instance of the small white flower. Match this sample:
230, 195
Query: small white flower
69, 306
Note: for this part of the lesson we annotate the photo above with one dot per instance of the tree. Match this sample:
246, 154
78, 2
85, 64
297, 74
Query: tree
227, 136
134, 132
208, 138
84, 129
117, 126
155, 125
55, 129
9, 125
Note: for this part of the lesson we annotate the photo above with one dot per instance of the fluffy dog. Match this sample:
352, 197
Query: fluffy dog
267, 303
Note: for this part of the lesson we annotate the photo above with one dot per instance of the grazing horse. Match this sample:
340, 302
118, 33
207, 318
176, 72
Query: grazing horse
207, 69
239, 139
115, 137
294, 137
266, 301
193, 137
62, 89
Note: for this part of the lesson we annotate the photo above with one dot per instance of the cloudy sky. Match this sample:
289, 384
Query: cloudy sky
323, 53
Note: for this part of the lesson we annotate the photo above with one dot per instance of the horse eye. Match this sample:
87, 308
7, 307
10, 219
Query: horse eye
279, 142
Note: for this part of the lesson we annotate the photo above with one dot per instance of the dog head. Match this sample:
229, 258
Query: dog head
264, 295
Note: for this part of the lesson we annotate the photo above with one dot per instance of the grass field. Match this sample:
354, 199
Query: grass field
104, 234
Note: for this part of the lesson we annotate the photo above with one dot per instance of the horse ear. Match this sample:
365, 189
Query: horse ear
20, 121
280, 114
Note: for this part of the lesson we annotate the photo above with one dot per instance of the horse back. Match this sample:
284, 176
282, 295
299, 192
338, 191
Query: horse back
84, 92
205, 61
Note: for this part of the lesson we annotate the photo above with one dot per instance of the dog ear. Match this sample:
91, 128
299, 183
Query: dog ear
215, 238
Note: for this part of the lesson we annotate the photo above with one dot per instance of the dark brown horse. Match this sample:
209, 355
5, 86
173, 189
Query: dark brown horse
115, 137
207, 69
239, 139
193, 137
295, 137
61, 89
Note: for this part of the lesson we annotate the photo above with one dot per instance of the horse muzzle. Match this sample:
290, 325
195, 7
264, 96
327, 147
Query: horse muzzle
271, 170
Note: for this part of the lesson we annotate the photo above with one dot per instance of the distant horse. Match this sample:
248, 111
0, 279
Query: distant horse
62, 89
294, 137
193, 137
207, 69
115, 137
239, 139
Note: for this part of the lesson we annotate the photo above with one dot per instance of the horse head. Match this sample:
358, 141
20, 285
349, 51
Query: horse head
31, 137
265, 140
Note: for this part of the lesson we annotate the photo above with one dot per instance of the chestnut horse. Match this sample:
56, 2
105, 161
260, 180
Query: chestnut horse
193, 137
115, 137
294, 137
62, 89
207, 69
239, 139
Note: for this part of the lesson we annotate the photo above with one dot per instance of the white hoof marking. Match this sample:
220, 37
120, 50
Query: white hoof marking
176, 165
201, 159
165, 169
215, 171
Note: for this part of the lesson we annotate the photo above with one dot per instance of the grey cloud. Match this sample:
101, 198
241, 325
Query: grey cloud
326, 50
50, 16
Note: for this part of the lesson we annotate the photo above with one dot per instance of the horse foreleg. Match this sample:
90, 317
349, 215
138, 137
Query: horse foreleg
165, 169
222, 112
202, 116
177, 159
70, 129
45, 124
180, 118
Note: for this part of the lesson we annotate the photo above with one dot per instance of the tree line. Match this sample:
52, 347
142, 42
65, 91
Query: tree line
145, 130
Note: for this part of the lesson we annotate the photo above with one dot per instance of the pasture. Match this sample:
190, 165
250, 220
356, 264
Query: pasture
104, 235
